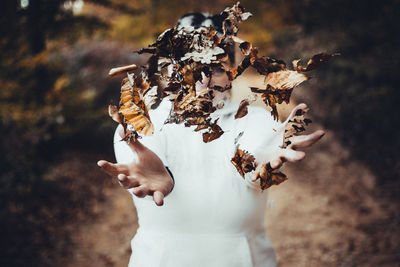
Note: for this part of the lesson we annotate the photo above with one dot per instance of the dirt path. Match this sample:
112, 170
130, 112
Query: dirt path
326, 214
105, 240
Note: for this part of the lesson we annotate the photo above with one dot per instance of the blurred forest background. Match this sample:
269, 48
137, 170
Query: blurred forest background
54, 91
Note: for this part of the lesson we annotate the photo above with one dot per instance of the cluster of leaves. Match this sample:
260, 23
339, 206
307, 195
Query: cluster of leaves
184, 57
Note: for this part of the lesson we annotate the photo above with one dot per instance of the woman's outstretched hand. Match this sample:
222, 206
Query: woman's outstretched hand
273, 154
146, 176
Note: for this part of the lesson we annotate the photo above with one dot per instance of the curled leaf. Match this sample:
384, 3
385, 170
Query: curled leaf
314, 62
268, 177
243, 161
119, 70
214, 132
242, 110
285, 79
114, 114
134, 110
295, 126
245, 47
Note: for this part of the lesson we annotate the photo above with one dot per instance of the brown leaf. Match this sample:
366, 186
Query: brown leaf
265, 65
285, 79
119, 70
245, 47
246, 62
272, 96
242, 110
314, 62
114, 114
243, 161
214, 132
268, 177
295, 126
134, 110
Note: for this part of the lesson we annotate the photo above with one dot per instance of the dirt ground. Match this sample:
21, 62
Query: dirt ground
329, 213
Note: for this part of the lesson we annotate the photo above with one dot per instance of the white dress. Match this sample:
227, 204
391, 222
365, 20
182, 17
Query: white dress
213, 217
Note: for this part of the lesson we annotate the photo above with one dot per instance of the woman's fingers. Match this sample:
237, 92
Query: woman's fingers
158, 198
141, 191
300, 109
303, 141
128, 181
276, 163
291, 155
111, 168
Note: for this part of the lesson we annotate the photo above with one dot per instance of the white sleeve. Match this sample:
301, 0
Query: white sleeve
155, 142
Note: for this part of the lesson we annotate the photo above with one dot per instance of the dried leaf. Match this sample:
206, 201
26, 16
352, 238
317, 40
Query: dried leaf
265, 65
246, 62
114, 114
242, 110
268, 177
119, 70
272, 96
285, 79
134, 110
294, 127
245, 47
314, 62
214, 132
243, 161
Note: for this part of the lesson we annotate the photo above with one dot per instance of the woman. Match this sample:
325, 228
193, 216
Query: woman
211, 216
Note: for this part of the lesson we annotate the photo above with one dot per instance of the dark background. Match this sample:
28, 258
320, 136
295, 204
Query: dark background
55, 56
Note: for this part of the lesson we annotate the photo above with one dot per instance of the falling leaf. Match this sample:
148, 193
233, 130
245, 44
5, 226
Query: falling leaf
246, 62
265, 65
314, 62
295, 126
119, 70
214, 132
272, 96
114, 114
242, 110
245, 47
268, 177
134, 110
285, 79
243, 161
